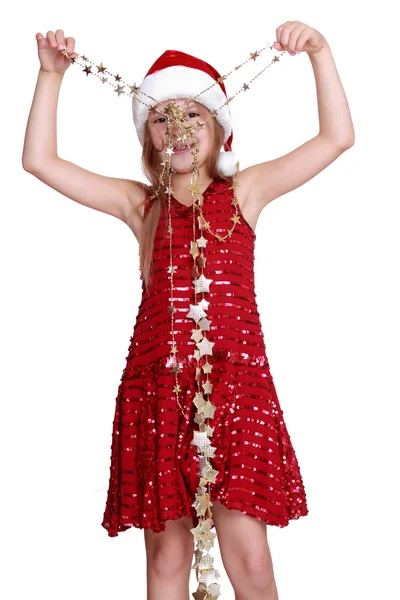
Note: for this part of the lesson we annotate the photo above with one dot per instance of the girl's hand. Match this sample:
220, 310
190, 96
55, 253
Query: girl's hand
49, 49
296, 37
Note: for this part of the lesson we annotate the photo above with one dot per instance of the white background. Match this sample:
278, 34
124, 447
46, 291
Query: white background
326, 280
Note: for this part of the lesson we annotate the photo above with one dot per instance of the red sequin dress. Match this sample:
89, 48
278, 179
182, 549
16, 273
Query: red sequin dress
154, 465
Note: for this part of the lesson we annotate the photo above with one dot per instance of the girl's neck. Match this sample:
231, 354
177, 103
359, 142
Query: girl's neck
181, 181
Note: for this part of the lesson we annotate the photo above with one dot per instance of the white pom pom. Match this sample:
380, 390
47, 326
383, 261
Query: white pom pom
227, 163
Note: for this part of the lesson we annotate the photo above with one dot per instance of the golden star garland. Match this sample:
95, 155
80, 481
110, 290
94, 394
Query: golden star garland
207, 576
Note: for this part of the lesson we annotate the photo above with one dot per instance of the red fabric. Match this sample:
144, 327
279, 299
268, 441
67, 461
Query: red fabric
153, 473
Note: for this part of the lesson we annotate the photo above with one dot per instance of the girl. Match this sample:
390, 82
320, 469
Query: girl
154, 475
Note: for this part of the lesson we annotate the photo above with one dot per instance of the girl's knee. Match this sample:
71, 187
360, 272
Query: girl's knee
170, 559
170, 552
258, 568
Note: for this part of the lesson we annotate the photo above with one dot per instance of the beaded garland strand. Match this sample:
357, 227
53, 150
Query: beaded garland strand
207, 576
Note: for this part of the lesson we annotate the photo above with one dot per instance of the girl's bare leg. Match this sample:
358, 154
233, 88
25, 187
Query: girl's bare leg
169, 559
245, 554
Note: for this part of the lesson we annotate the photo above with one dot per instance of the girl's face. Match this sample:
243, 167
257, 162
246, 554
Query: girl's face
181, 161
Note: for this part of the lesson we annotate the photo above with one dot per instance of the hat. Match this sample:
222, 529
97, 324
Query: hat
176, 74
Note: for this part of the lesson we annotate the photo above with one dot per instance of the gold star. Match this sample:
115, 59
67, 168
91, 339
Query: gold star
208, 539
202, 261
234, 186
200, 440
175, 369
213, 113
202, 242
173, 349
211, 475
104, 79
245, 87
197, 531
275, 59
84, 58
254, 54
87, 70
169, 151
194, 250
196, 312
199, 400
215, 590
198, 554
177, 388
172, 270
171, 309
135, 90
169, 190
205, 346
201, 504
194, 187
119, 90
207, 367
221, 79
210, 451
204, 303
118, 77
101, 68
208, 410
200, 594
202, 284
204, 324
207, 387
209, 431
203, 482
196, 335
235, 219
198, 418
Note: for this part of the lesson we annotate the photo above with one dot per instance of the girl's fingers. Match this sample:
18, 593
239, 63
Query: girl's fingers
52, 39
294, 37
279, 29
283, 32
70, 42
60, 39
301, 41
41, 39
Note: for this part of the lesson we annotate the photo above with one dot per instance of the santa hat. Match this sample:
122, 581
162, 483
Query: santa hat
176, 74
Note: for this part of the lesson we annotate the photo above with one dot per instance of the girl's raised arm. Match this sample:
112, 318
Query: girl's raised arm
111, 195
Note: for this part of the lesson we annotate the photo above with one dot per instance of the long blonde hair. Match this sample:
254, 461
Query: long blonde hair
151, 167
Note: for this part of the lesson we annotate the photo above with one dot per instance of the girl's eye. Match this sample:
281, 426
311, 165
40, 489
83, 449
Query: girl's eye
159, 119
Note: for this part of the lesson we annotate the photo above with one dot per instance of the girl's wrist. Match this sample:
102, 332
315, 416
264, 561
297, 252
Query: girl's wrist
323, 51
54, 74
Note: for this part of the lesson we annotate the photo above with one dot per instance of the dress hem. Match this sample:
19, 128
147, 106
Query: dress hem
115, 530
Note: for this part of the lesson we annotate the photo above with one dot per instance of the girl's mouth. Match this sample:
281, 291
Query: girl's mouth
178, 150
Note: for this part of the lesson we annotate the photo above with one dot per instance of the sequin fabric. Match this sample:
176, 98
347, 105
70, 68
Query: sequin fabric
154, 467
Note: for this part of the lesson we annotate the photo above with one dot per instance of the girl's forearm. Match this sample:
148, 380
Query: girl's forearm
334, 114
41, 131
